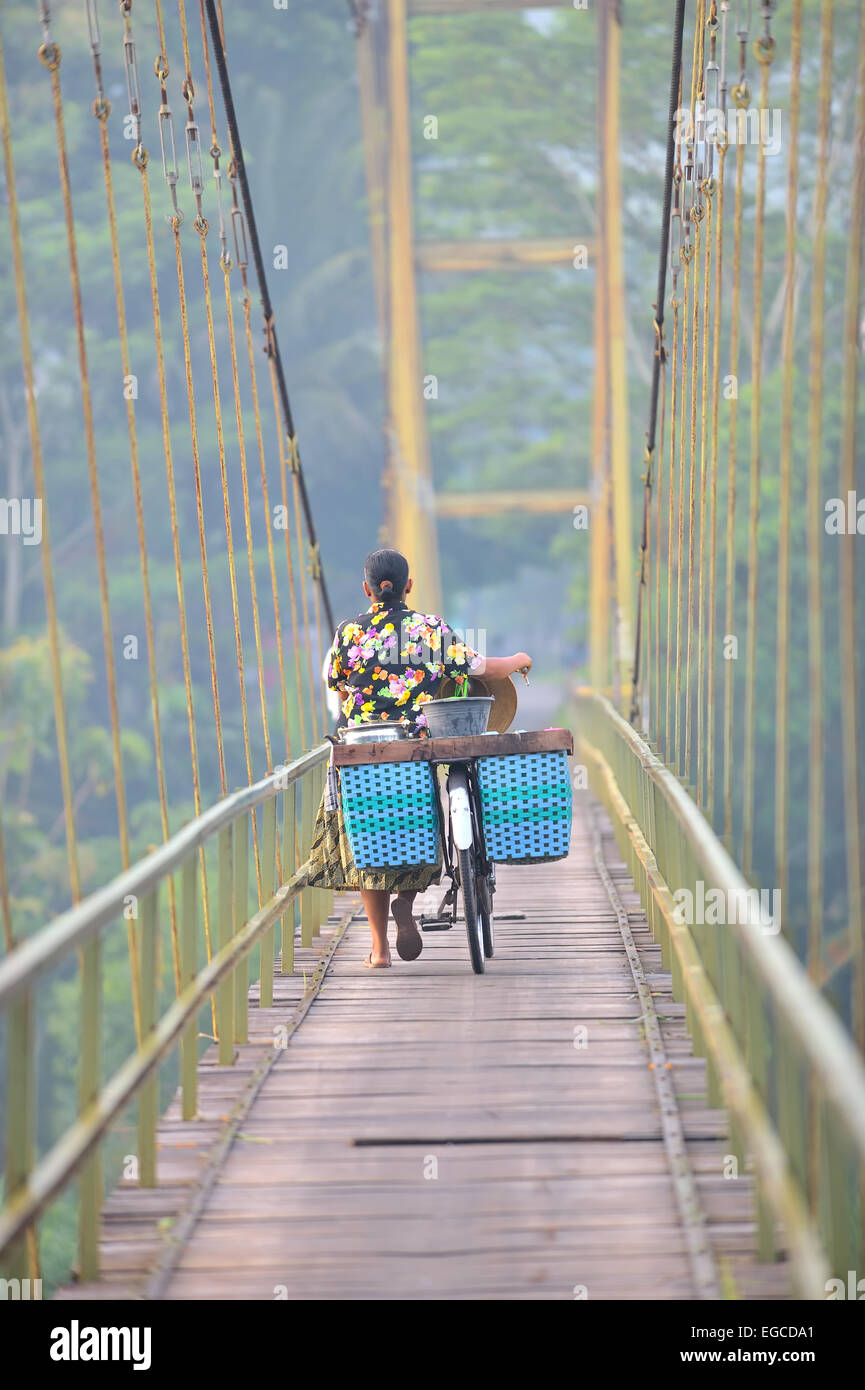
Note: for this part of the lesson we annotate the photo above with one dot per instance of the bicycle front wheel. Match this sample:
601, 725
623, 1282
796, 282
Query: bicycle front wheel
471, 908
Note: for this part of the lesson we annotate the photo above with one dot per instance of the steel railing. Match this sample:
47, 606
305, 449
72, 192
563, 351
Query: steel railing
280, 866
778, 1058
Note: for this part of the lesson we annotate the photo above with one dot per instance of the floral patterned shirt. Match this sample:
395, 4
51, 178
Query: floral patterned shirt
390, 661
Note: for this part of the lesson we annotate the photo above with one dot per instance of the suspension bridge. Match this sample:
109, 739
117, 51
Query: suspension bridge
657, 1089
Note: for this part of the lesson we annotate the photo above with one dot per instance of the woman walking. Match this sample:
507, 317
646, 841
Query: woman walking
386, 664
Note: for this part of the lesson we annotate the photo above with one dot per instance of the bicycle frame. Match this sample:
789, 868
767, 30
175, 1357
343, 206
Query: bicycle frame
469, 765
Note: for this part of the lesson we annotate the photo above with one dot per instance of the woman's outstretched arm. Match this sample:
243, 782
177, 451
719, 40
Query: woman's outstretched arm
498, 666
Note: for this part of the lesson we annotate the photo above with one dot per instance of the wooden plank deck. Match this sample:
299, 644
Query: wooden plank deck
429, 1133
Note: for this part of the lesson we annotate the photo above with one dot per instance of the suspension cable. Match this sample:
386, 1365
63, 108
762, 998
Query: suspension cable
242, 261
741, 95
294, 468
814, 499
49, 56
764, 49
687, 255
171, 175
289, 558
676, 264
202, 227
721, 143
849, 635
659, 356
60, 725
227, 266
267, 306
697, 214
141, 160
655, 698
785, 466
101, 110
707, 186
709, 101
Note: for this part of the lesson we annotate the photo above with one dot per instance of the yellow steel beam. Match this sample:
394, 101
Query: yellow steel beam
463, 504
373, 123
479, 6
500, 253
411, 516
600, 554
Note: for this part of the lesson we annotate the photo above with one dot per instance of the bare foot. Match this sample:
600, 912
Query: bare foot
374, 962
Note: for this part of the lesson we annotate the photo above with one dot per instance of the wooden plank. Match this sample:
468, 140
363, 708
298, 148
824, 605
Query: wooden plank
424, 750
550, 1165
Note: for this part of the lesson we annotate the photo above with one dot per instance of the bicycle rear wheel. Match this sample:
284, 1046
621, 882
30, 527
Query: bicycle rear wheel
471, 908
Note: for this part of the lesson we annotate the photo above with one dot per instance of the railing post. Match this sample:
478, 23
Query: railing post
188, 969
662, 822
323, 895
148, 1096
268, 866
792, 1090
89, 1076
289, 868
757, 1056
21, 1106
225, 989
241, 916
307, 822
675, 882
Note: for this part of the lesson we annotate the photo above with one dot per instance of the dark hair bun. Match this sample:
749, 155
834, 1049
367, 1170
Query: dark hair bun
386, 572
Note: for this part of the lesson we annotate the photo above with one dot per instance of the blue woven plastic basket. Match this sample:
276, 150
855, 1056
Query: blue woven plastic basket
526, 804
390, 814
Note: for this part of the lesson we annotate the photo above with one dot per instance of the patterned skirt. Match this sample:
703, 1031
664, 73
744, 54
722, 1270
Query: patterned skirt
332, 865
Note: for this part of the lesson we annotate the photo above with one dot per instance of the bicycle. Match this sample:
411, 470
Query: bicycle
394, 815
466, 863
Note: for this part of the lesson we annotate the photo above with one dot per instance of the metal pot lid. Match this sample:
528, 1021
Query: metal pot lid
373, 733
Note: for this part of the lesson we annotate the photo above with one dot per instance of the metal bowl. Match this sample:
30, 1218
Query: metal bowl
458, 716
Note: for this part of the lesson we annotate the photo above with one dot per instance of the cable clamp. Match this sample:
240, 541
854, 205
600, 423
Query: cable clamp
293, 455
764, 49
49, 55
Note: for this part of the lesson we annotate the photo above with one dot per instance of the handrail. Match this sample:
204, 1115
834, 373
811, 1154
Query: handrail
777, 1054
834, 1052
68, 932
31, 1187
53, 1171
